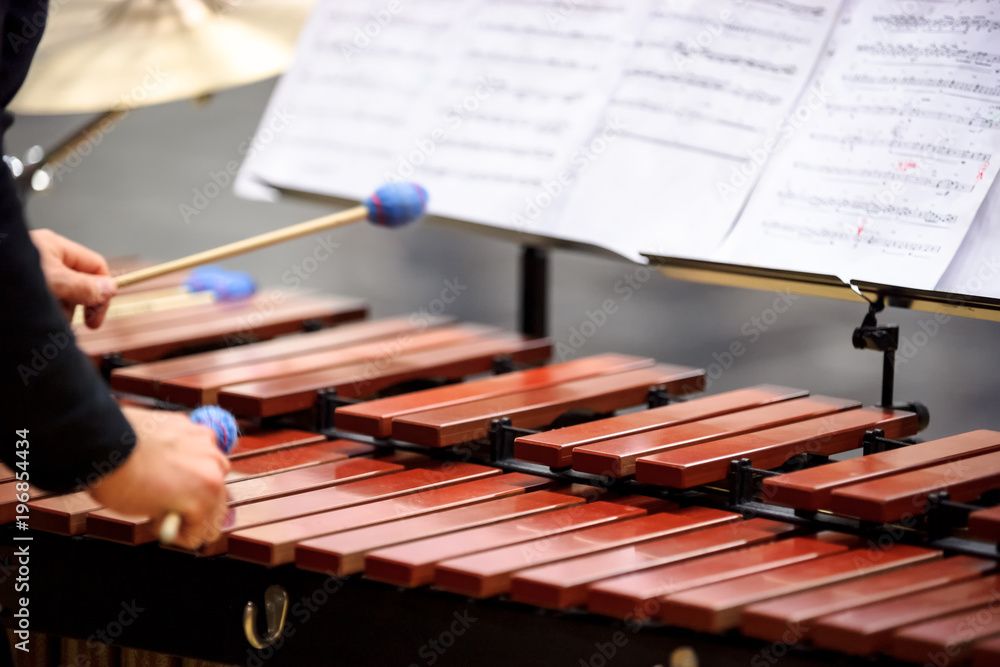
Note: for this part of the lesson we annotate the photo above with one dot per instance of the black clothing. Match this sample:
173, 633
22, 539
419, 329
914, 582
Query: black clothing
47, 385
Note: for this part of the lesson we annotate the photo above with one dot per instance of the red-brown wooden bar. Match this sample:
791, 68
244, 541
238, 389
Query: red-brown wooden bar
259, 317
948, 640
269, 463
838, 432
202, 387
144, 379
63, 515
254, 441
344, 553
868, 630
718, 607
413, 564
771, 620
898, 496
555, 448
274, 543
985, 524
284, 395
130, 530
810, 489
489, 573
639, 596
469, 421
6, 474
616, 457
265, 305
67, 514
986, 653
291, 482
374, 418
564, 584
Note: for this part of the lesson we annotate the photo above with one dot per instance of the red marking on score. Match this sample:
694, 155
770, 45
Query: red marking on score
905, 166
982, 170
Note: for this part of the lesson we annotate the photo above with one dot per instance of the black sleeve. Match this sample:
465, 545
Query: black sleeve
47, 385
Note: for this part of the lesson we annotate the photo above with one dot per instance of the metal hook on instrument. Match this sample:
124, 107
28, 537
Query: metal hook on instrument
275, 610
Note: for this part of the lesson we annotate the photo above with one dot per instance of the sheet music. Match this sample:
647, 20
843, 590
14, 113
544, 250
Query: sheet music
976, 267
883, 183
358, 86
501, 109
704, 99
489, 110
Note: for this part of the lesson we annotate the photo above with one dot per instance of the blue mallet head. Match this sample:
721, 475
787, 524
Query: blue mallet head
222, 422
227, 285
397, 204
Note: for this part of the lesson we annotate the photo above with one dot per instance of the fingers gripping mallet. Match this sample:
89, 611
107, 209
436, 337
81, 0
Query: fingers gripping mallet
226, 437
392, 205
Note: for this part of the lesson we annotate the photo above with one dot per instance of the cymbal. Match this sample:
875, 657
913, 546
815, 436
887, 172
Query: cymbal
98, 55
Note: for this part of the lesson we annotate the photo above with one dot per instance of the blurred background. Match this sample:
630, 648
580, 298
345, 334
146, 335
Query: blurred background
127, 197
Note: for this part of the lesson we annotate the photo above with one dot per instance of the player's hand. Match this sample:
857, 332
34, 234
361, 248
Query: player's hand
76, 275
176, 466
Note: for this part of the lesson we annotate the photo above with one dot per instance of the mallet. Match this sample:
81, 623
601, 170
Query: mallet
392, 205
226, 437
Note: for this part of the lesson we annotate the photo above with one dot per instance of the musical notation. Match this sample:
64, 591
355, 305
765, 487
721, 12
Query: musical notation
923, 82
826, 236
841, 136
874, 209
553, 61
706, 86
917, 23
684, 113
918, 147
880, 175
734, 59
910, 112
731, 26
904, 160
536, 31
794, 7
931, 52
707, 83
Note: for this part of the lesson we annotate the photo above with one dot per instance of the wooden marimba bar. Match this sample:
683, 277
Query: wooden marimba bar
717, 515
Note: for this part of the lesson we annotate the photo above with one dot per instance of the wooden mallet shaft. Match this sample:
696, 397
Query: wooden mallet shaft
392, 205
352, 215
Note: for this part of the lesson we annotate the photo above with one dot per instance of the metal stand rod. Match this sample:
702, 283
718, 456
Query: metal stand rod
534, 292
65, 149
888, 376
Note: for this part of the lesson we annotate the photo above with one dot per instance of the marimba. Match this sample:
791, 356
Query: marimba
416, 491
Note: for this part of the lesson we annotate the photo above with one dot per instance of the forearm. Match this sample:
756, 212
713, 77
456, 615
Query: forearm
47, 385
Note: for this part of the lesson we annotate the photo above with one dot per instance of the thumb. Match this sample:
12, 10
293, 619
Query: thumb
83, 288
